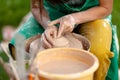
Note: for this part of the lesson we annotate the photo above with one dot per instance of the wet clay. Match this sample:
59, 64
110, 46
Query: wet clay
60, 42
64, 66
67, 40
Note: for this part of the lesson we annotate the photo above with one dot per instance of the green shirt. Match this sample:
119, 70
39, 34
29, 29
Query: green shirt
56, 11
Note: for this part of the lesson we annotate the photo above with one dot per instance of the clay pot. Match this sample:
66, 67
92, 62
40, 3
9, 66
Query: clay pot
64, 64
71, 40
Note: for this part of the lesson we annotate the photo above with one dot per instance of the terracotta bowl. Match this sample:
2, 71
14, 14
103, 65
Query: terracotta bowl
65, 64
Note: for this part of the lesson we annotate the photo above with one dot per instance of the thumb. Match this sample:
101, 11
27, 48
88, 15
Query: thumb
61, 30
54, 22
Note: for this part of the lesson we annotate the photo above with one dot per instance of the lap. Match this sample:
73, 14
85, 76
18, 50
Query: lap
99, 33
102, 36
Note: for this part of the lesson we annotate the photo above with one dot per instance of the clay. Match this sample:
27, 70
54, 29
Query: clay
68, 40
73, 41
61, 42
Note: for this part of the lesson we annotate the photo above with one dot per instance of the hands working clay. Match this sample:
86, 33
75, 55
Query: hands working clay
66, 25
54, 37
67, 40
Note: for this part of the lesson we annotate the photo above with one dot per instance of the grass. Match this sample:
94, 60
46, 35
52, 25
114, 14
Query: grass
116, 14
3, 75
116, 19
11, 13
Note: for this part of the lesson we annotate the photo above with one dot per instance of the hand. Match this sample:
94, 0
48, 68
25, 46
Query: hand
67, 24
47, 37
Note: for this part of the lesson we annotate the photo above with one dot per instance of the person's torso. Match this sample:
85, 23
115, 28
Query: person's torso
74, 5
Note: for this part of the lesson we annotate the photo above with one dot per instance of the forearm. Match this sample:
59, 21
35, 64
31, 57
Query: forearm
44, 20
43, 17
101, 11
89, 15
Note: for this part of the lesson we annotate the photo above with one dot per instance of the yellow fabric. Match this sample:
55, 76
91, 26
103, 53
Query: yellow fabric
100, 35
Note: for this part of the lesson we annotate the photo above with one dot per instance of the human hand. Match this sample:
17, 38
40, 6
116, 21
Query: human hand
47, 37
67, 24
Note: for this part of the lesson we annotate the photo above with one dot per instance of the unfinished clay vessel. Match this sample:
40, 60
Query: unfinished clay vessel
64, 64
71, 40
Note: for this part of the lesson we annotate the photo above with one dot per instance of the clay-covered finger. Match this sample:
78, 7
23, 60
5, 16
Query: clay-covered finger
46, 44
61, 29
49, 36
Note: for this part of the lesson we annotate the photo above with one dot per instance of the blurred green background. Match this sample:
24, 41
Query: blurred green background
12, 12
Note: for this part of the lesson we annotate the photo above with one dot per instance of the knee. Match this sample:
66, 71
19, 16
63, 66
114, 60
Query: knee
99, 25
99, 33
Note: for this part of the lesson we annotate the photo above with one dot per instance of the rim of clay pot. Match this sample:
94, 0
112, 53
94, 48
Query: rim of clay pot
85, 42
88, 71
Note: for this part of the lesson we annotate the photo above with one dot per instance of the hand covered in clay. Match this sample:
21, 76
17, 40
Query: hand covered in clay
67, 24
47, 37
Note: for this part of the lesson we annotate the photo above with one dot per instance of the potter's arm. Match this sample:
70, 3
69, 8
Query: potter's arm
39, 12
98, 12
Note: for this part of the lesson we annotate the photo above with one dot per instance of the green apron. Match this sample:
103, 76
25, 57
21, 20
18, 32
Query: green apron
32, 27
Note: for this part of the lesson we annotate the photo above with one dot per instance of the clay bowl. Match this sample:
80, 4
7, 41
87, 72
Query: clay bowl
65, 64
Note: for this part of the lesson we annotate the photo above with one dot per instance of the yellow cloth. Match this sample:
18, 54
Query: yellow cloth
100, 35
